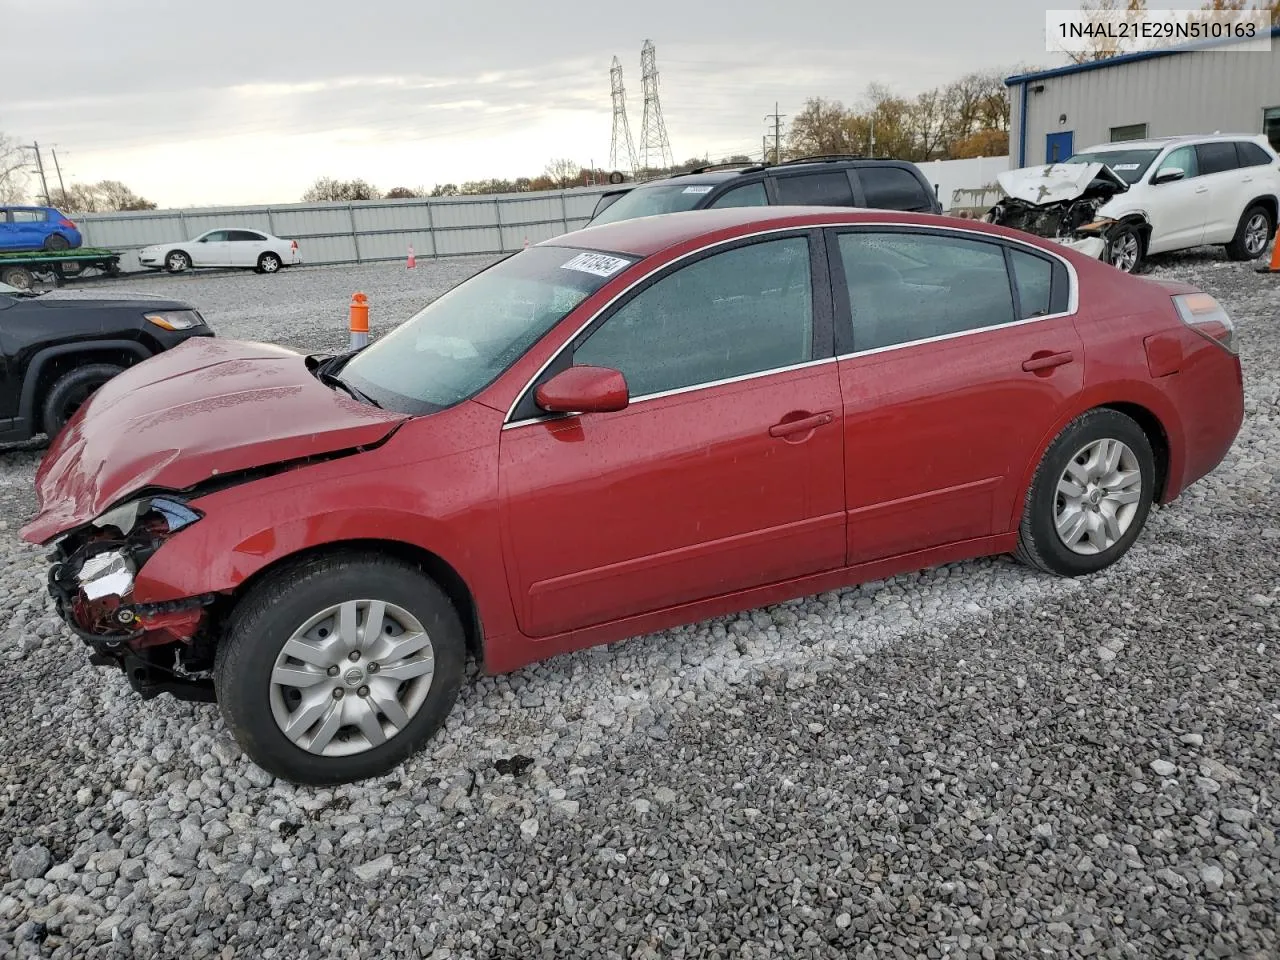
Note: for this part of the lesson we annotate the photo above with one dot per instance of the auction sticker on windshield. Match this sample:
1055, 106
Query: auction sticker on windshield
1125, 166
697, 190
596, 263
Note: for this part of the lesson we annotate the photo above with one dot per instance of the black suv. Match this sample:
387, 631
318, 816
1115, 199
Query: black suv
837, 181
54, 353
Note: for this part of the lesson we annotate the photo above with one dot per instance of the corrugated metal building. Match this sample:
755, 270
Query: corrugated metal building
1199, 88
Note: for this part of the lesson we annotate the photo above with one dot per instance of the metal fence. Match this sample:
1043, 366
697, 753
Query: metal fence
362, 231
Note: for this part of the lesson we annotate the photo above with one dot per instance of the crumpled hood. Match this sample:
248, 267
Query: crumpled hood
1057, 182
205, 408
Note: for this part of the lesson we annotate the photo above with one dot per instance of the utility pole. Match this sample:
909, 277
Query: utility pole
62, 187
40, 166
764, 148
776, 117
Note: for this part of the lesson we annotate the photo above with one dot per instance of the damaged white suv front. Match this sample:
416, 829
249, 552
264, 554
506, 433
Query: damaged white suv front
1061, 201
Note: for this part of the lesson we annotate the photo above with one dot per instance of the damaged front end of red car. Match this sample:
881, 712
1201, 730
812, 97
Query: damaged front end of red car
161, 647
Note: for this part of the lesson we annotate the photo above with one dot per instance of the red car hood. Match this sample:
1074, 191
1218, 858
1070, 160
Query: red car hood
204, 408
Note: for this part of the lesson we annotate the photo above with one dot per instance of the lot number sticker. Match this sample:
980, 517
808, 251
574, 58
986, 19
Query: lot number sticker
597, 263
1125, 166
697, 190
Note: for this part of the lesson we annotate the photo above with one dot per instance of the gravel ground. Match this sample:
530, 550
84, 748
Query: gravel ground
976, 761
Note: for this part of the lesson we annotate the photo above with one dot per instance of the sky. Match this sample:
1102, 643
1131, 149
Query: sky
233, 102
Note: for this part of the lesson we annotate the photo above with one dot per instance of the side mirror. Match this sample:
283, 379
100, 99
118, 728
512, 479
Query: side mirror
584, 390
1169, 174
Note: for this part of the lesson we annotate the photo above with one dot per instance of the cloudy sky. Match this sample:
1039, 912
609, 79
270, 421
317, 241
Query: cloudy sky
229, 101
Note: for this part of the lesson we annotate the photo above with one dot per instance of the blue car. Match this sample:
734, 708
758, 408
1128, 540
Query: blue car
37, 228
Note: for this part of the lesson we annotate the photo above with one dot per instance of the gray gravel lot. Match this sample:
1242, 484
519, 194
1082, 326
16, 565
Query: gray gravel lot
975, 761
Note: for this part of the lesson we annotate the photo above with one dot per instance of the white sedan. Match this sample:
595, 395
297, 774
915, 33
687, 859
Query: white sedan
249, 249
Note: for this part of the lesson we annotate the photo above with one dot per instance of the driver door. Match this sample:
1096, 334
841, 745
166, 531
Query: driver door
1179, 209
724, 473
211, 250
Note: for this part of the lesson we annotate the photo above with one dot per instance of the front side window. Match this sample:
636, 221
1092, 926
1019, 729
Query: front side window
461, 342
905, 287
743, 311
748, 195
217, 236
1184, 159
815, 189
1216, 157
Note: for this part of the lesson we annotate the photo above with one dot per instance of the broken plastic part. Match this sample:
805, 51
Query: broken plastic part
106, 575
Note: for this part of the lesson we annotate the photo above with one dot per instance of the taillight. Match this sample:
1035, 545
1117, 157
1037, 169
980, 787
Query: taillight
1207, 317
294, 244
64, 222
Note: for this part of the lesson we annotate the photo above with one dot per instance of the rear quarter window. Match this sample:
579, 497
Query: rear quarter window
1251, 155
892, 188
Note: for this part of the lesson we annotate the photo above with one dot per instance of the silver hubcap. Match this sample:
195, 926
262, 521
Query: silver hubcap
1124, 252
351, 677
1098, 496
1255, 234
270, 264
178, 262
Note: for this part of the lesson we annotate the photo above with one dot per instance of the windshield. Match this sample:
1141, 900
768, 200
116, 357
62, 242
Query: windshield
651, 201
461, 342
1129, 165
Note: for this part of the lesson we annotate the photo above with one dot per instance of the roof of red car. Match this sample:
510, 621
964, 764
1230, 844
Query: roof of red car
644, 236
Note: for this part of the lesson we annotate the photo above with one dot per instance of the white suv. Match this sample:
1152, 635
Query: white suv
1151, 196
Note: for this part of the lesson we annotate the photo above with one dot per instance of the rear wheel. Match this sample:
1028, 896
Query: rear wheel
339, 668
268, 263
1252, 234
57, 242
177, 261
1090, 496
70, 392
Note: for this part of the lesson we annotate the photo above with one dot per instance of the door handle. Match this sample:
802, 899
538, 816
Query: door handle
1202, 189
790, 428
1048, 361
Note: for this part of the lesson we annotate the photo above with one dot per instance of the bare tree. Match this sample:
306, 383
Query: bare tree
13, 171
563, 172
331, 190
104, 196
1104, 47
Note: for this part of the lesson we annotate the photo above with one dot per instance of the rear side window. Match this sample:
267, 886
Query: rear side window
245, 236
905, 287
816, 189
892, 188
1034, 279
748, 195
1251, 155
1216, 157
29, 216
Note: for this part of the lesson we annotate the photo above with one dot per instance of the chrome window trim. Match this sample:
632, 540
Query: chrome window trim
1073, 306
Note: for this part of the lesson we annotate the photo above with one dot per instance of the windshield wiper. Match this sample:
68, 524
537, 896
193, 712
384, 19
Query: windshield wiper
336, 381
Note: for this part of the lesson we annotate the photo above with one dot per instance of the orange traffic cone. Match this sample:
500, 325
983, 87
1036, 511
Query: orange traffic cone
1274, 266
413, 260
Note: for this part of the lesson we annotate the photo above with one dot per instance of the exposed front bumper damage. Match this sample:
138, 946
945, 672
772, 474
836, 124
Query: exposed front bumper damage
1060, 202
162, 647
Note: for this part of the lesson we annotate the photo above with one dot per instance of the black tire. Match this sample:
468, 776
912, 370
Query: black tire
1238, 248
57, 242
19, 277
70, 392
1126, 234
265, 619
176, 261
1039, 544
269, 263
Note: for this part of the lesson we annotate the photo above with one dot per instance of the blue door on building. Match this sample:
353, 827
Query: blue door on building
1057, 146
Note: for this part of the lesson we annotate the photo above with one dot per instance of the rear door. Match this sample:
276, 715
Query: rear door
30, 226
245, 246
951, 378
724, 473
1220, 172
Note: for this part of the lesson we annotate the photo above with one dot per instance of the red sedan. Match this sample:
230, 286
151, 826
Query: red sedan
630, 427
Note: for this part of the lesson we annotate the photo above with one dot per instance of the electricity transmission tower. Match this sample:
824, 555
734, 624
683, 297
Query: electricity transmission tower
621, 125
655, 147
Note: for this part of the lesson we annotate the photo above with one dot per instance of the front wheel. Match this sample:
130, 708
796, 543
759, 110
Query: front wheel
70, 392
1090, 496
339, 668
1124, 249
177, 261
